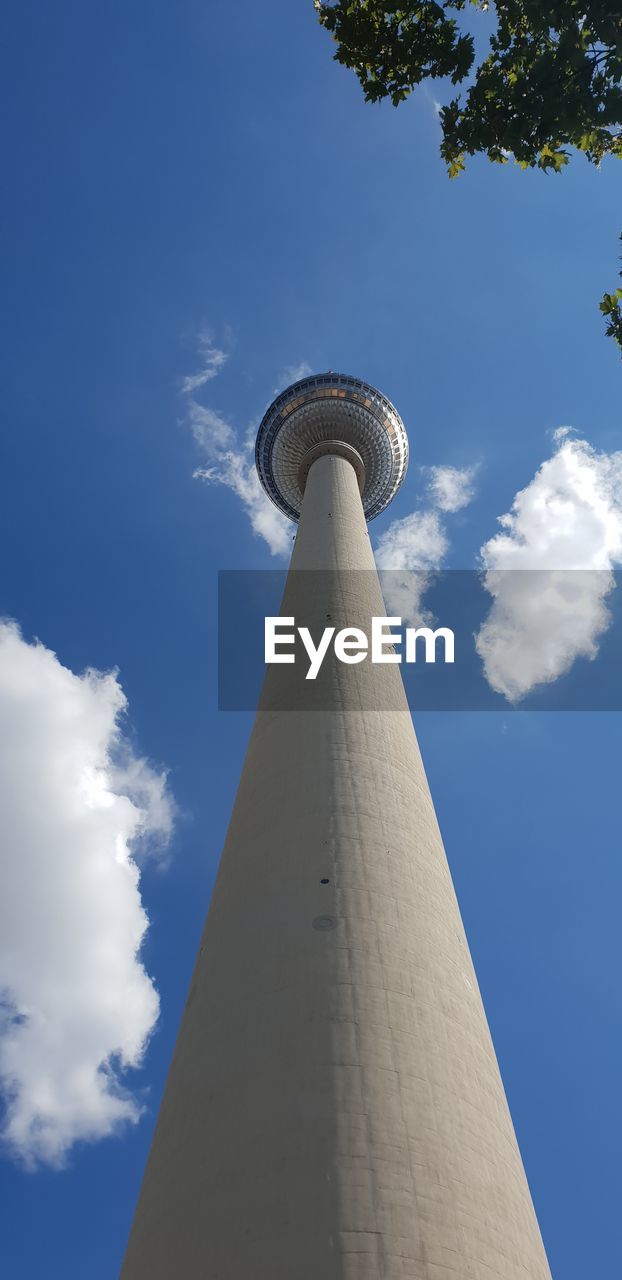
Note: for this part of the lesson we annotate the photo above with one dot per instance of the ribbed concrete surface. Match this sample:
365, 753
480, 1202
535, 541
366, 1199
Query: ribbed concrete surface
334, 1109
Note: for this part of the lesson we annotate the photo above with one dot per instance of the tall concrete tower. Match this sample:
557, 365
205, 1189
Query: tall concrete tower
334, 1109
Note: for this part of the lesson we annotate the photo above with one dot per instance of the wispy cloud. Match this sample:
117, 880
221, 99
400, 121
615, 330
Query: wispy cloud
211, 358
79, 810
417, 541
569, 517
405, 554
451, 488
235, 469
413, 547
291, 373
211, 430
230, 461
426, 95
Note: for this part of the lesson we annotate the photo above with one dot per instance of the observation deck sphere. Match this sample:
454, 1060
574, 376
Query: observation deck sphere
331, 407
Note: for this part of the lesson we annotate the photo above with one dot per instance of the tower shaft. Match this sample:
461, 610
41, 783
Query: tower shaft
334, 1109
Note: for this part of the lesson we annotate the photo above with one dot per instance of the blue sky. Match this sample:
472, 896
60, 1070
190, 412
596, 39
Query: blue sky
176, 170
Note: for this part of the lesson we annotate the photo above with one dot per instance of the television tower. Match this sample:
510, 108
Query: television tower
334, 1109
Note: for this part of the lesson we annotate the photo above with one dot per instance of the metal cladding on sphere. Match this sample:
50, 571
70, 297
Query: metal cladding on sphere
315, 416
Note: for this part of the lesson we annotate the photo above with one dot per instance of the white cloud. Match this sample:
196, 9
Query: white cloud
212, 360
78, 806
434, 102
406, 554
231, 459
233, 465
412, 548
568, 518
235, 468
210, 430
291, 373
451, 488
418, 541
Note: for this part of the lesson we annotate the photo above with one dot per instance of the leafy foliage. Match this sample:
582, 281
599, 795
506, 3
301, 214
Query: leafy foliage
611, 306
552, 78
